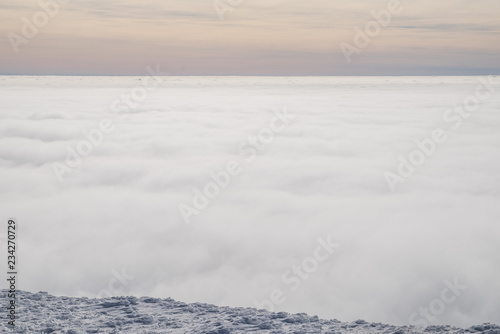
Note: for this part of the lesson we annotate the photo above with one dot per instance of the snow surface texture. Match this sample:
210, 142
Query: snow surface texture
322, 175
43, 313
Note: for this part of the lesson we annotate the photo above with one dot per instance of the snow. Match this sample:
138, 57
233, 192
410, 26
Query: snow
322, 175
43, 313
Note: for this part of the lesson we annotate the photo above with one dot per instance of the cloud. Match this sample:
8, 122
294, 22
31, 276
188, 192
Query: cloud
322, 175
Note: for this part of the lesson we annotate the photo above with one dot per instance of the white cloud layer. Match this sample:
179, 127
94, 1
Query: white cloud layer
322, 175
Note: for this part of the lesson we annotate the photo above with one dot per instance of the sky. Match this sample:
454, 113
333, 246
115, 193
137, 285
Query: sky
257, 37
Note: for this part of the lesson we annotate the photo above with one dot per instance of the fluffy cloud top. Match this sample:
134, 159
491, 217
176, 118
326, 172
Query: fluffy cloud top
322, 175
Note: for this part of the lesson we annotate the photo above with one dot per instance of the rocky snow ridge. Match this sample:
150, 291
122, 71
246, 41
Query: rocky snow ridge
43, 313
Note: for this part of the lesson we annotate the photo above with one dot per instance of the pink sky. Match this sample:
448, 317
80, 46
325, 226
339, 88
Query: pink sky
256, 37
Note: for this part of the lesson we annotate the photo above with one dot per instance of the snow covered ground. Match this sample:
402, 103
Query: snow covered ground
44, 313
301, 217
